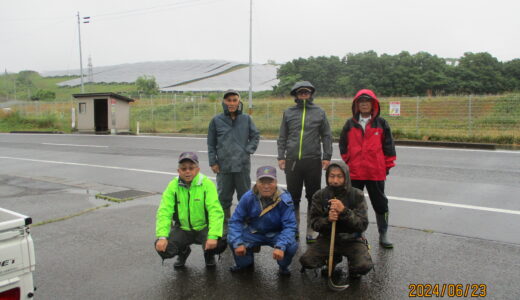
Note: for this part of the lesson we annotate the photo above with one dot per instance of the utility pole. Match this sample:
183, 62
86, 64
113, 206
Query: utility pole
85, 20
80, 56
250, 57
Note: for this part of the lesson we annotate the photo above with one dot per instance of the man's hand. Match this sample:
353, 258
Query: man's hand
240, 250
336, 205
215, 168
161, 245
333, 215
278, 254
325, 164
281, 164
210, 244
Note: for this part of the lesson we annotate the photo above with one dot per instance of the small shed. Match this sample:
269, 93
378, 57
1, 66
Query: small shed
102, 113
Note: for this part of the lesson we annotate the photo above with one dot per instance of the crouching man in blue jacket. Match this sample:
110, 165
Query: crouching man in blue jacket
264, 216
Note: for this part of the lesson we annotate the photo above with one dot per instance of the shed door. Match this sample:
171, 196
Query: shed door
101, 114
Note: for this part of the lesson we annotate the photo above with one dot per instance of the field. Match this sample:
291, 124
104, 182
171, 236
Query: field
485, 118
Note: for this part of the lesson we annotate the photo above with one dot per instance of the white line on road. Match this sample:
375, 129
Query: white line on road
473, 207
75, 145
262, 141
263, 155
491, 209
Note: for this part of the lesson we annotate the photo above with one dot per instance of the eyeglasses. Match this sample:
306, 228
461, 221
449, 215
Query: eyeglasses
303, 92
184, 169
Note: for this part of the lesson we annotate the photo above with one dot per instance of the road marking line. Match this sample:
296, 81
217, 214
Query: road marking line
75, 145
473, 207
264, 155
266, 141
491, 209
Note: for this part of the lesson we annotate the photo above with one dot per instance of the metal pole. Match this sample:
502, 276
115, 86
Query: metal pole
80, 56
332, 117
469, 115
251, 57
417, 116
174, 114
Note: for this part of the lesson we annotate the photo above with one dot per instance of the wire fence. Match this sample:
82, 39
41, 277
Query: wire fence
489, 118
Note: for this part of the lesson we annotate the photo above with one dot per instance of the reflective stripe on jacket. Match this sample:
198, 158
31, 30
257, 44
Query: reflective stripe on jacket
303, 130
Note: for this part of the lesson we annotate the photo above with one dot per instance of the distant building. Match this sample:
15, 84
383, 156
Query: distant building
102, 113
182, 75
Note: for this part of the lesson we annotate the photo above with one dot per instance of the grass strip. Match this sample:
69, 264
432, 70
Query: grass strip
70, 216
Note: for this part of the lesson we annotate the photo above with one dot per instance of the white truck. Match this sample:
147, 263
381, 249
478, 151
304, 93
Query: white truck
16, 256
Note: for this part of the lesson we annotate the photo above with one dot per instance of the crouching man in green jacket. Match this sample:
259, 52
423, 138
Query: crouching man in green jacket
191, 201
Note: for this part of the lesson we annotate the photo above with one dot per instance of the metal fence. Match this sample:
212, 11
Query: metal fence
493, 118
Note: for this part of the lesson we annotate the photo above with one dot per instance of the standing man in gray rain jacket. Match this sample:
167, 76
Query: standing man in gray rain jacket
303, 132
232, 138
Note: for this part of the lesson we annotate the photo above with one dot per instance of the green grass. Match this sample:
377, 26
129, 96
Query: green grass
47, 121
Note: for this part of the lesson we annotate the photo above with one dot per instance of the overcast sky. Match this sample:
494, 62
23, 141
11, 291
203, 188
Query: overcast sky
42, 35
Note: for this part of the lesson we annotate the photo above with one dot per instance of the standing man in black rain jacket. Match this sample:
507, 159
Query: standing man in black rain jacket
303, 132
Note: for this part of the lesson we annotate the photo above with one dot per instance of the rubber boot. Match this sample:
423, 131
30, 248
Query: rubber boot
382, 227
209, 259
311, 235
182, 257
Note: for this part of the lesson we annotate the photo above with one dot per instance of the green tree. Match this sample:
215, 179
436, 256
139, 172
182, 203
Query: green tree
147, 85
511, 72
480, 73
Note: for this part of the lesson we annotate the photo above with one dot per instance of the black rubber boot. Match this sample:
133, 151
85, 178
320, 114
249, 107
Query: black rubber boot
382, 227
182, 257
209, 258
311, 235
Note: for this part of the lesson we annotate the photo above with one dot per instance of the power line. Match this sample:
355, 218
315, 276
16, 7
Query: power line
159, 9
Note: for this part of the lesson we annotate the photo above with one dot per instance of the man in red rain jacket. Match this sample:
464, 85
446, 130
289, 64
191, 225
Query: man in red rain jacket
367, 147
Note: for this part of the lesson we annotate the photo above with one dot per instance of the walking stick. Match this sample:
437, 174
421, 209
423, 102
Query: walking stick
332, 286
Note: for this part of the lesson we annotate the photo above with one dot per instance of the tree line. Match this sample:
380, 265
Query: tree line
403, 74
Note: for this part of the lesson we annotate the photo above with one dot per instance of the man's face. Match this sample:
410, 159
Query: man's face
303, 94
336, 177
188, 170
365, 106
232, 102
266, 186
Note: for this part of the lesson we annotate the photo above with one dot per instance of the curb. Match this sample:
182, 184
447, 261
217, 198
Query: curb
397, 142
43, 132
446, 144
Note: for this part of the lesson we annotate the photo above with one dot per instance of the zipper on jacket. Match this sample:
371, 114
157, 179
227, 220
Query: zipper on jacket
303, 126
189, 214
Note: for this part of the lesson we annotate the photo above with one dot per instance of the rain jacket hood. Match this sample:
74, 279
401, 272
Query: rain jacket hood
348, 184
375, 103
239, 109
301, 84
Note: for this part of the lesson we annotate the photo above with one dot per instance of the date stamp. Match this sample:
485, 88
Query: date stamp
458, 290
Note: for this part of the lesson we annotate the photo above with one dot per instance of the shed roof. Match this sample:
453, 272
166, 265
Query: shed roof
111, 95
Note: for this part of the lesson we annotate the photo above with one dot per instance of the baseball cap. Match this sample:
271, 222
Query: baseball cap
266, 172
189, 156
230, 92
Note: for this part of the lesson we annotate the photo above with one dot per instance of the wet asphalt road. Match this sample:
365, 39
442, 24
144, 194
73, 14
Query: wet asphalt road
108, 253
